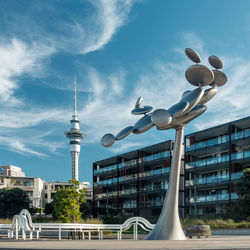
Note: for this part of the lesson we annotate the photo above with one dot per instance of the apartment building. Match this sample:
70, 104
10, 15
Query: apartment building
33, 186
214, 160
134, 183
11, 170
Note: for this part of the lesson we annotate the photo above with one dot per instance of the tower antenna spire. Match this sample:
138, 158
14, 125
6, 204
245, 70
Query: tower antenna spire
75, 100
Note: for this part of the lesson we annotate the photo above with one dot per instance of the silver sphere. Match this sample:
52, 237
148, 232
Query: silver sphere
220, 78
192, 55
161, 117
108, 140
143, 125
141, 110
215, 62
185, 93
193, 98
124, 133
199, 75
138, 102
208, 95
177, 109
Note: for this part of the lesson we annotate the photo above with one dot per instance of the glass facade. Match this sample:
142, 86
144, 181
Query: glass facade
213, 166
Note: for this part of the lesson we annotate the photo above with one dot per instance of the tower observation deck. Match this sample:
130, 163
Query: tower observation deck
75, 136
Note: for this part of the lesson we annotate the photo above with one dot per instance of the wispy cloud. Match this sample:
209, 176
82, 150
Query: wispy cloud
18, 58
111, 15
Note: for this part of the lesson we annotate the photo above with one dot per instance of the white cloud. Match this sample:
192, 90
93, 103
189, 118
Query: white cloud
111, 15
18, 58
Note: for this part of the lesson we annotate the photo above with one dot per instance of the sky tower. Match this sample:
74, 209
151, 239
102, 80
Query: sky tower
75, 135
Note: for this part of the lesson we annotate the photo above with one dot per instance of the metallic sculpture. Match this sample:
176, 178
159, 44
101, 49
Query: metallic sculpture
177, 117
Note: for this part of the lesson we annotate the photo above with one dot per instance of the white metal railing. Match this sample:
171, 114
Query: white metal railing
89, 228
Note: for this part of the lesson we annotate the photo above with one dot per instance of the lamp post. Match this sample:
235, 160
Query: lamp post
190, 106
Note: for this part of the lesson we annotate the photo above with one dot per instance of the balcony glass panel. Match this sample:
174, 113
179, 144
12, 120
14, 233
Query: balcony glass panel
235, 176
234, 196
208, 143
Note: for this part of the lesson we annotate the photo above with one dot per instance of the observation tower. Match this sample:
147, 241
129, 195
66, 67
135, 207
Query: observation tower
75, 136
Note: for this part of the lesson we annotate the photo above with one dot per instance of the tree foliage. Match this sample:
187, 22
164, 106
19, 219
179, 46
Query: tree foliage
49, 208
12, 201
243, 191
85, 210
68, 201
241, 210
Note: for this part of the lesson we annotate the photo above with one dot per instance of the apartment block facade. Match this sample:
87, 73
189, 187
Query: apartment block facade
214, 160
134, 183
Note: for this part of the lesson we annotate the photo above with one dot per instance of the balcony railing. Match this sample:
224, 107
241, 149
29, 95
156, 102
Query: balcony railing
219, 159
211, 198
219, 140
214, 179
133, 162
134, 176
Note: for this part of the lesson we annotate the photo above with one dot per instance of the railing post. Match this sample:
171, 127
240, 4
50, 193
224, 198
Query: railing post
16, 229
59, 233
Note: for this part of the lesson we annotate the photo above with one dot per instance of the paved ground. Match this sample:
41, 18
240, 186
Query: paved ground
218, 243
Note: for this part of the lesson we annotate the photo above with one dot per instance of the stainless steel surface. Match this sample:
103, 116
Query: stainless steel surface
143, 125
193, 98
219, 78
185, 93
215, 62
208, 95
161, 117
138, 102
168, 226
195, 112
199, 75
108, 140
141, 110
124, 133
177, 109
192, 55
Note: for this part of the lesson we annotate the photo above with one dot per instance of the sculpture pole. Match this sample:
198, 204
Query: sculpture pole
177, 116
168, 226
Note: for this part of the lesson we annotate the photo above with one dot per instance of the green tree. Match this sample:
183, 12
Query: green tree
12, 201
86, 210
241, 209
68, 201
243, 191
49, 208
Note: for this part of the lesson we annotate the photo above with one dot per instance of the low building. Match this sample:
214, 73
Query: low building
33, 186
134, 183
38, 191
11, 170
214, 160
50, 189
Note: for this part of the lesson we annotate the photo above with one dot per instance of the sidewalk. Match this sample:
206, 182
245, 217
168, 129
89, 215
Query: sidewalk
215, 243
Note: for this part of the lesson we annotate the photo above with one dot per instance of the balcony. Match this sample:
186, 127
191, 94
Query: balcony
219, 140
133, 162
218, 160
211, 198
151, 173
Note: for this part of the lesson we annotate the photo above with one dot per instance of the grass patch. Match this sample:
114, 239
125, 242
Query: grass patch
216, 223
5, 221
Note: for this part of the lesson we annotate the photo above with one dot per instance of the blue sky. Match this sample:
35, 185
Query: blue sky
118, 50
